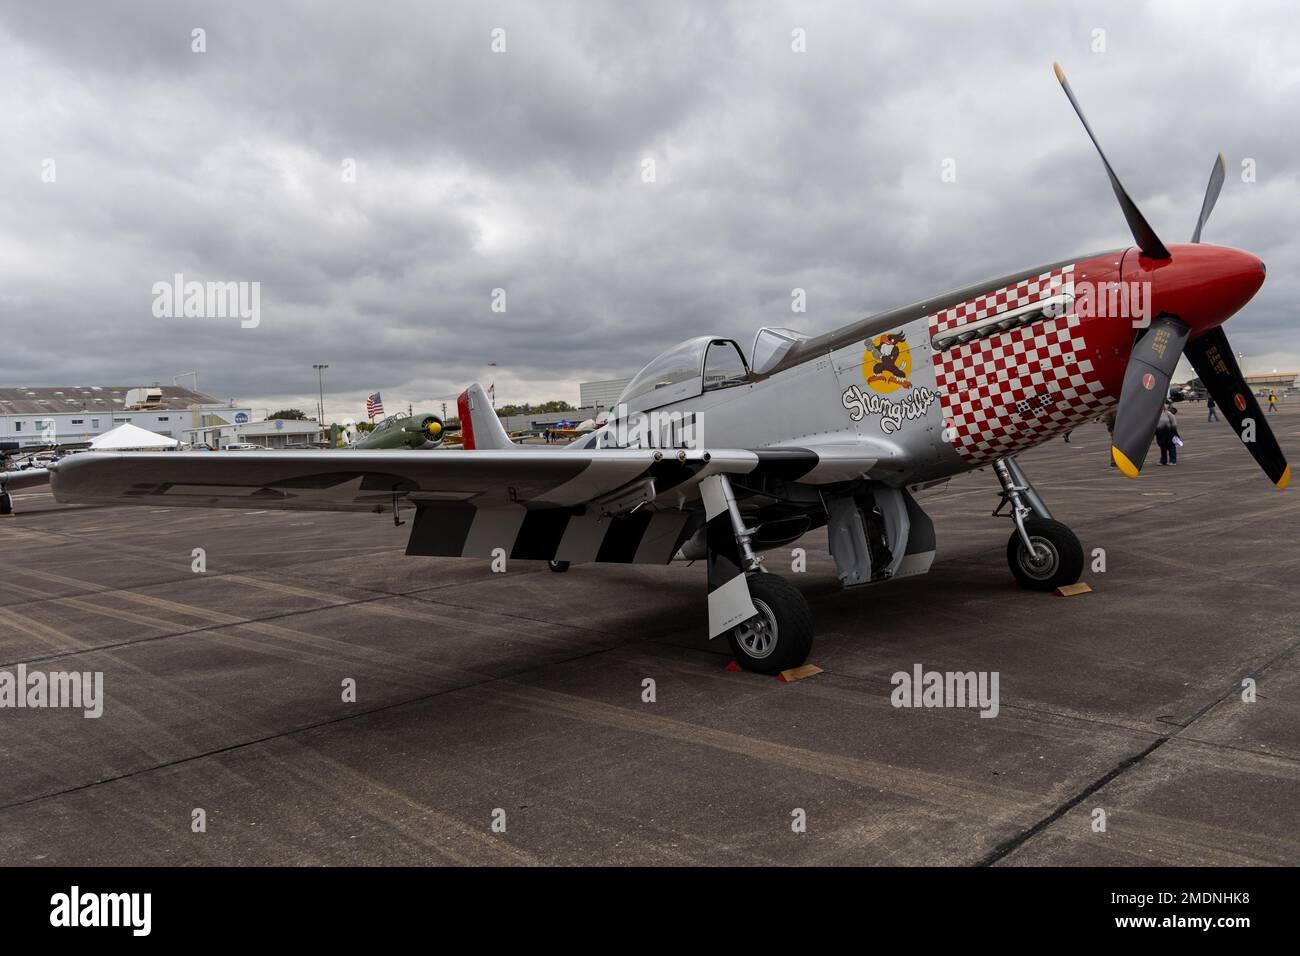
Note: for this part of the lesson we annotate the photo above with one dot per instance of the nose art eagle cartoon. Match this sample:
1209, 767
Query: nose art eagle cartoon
887, 354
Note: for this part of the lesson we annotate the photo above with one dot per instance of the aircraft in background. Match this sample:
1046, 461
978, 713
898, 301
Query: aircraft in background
25, 466
419, 431
16, 480
716, 456
568, 430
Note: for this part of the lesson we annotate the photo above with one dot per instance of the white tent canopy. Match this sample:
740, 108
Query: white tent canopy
130, 437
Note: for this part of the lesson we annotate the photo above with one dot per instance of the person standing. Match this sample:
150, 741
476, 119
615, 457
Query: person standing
1272, 400
1166, 432
1209, 403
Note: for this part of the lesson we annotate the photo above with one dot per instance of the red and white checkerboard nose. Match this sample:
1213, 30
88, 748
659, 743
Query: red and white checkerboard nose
1004, 393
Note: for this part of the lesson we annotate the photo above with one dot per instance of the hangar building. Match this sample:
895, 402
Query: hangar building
68, 414
1279, 382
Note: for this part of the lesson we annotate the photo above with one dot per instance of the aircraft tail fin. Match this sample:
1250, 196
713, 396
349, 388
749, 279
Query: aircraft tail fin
479, 425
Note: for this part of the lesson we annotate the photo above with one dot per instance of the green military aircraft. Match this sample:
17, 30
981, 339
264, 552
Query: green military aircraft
424, 430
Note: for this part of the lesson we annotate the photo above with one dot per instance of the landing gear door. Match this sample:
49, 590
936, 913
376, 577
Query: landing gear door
877, 535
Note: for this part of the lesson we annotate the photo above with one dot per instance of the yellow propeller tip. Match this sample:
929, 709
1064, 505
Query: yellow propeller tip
1059, 75
1285, 479
1129, 469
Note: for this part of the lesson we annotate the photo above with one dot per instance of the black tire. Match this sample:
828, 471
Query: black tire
559, 567
781, 608
1062, 563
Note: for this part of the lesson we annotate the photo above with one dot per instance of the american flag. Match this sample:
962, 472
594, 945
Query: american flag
374, 405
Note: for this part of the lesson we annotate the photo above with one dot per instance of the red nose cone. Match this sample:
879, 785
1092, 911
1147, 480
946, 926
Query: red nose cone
1201, 284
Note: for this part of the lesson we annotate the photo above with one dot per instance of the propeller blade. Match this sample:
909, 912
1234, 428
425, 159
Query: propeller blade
1146, 387
1212, 357
1143, 234
1212, 189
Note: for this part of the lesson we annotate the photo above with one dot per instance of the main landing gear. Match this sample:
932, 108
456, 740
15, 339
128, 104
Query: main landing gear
766, 619
780, 635
1042, 553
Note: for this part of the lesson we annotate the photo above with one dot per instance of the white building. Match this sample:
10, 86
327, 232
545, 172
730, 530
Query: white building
271, 433
75, 414
602, 394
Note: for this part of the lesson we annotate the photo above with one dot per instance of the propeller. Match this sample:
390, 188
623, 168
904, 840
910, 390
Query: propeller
1157, 349
1143, 234
430, 429
1146, 385
1212, 190
1212, 357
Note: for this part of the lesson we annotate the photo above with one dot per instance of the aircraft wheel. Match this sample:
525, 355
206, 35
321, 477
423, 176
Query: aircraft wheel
1059, 560
780, 635
6, 504
559, 567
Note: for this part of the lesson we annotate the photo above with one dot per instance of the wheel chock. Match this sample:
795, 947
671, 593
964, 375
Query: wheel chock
1069, 590
799, 673
786, 676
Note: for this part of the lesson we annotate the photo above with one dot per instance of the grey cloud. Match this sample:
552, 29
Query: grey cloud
521, 171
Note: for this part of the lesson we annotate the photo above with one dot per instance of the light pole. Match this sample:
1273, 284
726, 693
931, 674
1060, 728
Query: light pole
320, 377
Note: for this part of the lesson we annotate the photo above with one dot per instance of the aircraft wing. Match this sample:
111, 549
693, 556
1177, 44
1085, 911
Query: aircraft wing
563, 504
346, 480
14, 480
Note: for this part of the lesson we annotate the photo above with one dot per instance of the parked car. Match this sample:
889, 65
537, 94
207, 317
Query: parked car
245, 446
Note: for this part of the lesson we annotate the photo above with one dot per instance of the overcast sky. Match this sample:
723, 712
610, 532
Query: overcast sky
523, 170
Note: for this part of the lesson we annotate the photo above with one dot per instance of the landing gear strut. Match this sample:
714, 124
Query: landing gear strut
1042, 553
767, 621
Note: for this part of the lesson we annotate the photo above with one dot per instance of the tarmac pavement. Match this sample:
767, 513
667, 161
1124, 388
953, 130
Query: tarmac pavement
519, 696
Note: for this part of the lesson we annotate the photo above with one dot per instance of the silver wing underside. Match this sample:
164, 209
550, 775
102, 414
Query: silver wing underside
372, 481
620, 505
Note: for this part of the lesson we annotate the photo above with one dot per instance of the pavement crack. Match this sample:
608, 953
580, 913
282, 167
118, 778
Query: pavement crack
1004, 849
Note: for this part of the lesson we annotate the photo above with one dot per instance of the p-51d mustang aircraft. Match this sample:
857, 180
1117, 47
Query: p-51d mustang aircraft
717, 457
